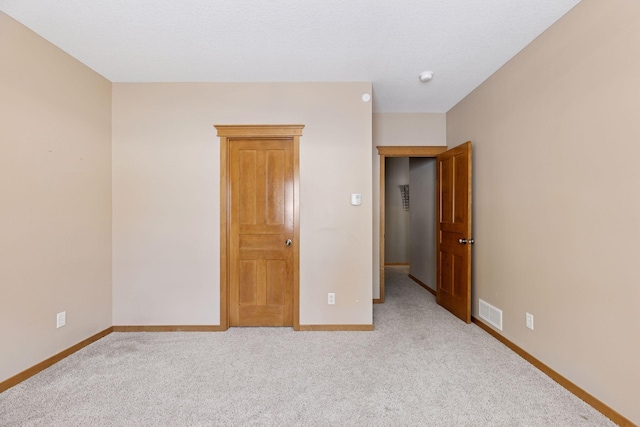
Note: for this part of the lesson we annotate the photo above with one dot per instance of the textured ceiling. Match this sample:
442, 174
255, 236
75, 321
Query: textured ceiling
386, 42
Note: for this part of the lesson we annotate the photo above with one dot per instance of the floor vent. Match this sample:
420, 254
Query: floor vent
491, 314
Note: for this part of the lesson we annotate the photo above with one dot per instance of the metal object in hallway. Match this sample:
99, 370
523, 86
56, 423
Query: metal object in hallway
404, 192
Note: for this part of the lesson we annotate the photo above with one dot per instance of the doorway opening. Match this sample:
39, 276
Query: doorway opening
388, 152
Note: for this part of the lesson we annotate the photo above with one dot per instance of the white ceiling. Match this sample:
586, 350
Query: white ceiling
387, 42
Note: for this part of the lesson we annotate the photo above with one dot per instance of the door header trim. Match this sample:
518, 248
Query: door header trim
412, 151
259, 131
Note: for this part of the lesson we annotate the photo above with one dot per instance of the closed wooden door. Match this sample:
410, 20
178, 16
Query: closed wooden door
454, 231
261, 232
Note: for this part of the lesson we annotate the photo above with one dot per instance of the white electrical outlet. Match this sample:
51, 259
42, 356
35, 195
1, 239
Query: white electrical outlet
530, 321
61, 319
331, 298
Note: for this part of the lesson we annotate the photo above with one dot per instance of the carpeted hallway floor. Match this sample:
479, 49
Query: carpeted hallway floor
421, 366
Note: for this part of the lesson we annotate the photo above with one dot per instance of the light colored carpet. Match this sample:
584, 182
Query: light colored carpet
421, 366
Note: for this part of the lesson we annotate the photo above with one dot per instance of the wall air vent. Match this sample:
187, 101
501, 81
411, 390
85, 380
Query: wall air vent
491, 314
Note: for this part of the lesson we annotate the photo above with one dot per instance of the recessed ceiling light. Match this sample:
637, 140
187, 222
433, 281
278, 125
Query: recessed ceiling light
425, 76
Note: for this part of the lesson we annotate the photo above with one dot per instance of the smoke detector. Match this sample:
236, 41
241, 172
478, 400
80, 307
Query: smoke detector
425, 76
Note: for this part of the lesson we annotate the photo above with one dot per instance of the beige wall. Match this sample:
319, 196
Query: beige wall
396, 243
423, 221
55, 186
557, 197
166, 196
399, 129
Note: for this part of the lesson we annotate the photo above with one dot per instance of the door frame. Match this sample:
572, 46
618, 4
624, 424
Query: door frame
399, 151
227, 133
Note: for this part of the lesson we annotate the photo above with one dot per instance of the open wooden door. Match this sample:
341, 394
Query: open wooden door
454, 231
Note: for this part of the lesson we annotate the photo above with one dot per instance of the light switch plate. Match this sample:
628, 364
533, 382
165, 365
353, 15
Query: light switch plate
356, 199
